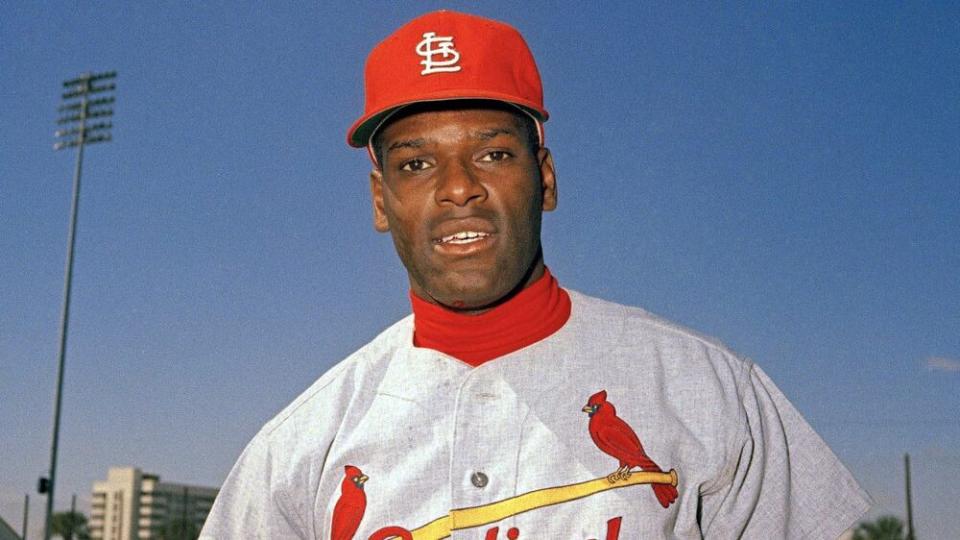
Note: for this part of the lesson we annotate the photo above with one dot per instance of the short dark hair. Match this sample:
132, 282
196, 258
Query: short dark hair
528, 127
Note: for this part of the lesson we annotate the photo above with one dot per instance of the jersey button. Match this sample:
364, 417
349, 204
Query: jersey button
479, 479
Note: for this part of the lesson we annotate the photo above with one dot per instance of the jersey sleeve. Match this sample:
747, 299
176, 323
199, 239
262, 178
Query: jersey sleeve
252, 503
784, 482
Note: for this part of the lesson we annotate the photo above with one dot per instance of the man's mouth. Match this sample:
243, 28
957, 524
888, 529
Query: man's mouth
463, 237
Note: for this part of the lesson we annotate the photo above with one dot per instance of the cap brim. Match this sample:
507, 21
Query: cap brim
363, 129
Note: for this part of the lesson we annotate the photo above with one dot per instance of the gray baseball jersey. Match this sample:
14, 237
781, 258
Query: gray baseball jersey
575, 437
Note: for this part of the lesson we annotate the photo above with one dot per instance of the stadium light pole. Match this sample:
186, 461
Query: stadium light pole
75, 133
906, 467
26, 516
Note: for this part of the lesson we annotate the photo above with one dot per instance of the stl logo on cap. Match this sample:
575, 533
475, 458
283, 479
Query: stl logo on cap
445, 48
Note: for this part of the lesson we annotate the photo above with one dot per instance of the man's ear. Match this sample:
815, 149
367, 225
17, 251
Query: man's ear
548, 179
380, 222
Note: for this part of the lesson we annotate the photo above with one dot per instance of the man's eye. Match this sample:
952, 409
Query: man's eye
496, 155
415, 165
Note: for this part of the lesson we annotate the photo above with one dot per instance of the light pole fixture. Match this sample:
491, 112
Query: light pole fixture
83, 124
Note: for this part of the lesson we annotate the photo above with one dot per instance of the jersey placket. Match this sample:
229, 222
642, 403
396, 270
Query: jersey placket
483, 461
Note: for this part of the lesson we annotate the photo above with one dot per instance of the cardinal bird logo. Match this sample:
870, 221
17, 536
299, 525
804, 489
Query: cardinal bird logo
617, 439
348, 511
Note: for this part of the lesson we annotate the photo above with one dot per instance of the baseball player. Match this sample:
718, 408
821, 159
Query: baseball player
505, 406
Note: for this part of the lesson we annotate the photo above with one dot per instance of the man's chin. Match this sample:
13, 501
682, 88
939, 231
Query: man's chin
469, 301
474, 294
475, 289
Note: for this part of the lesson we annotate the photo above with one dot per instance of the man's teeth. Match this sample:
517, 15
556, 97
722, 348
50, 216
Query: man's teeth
464, 237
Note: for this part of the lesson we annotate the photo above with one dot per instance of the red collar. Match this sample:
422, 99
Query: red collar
533, 314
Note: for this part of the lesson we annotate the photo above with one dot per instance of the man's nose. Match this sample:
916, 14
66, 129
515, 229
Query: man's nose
459, 185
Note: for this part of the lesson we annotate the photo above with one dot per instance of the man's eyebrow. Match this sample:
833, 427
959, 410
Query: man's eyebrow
487, 134
409, 143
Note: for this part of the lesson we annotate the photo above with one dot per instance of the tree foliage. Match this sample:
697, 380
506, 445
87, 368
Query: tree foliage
70, 525
179, 529
884, 528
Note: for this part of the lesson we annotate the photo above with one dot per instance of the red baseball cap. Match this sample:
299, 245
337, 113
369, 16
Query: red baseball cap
446, 55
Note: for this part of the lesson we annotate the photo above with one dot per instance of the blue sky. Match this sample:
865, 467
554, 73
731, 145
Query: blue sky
785, 178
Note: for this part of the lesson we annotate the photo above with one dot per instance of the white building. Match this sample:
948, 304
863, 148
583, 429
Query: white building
132, 504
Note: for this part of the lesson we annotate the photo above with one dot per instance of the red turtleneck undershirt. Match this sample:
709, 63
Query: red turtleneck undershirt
533, 314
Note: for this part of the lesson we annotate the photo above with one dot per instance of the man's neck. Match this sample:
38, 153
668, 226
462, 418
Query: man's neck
532, 313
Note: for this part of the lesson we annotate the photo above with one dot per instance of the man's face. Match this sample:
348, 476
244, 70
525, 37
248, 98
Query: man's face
462, 194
